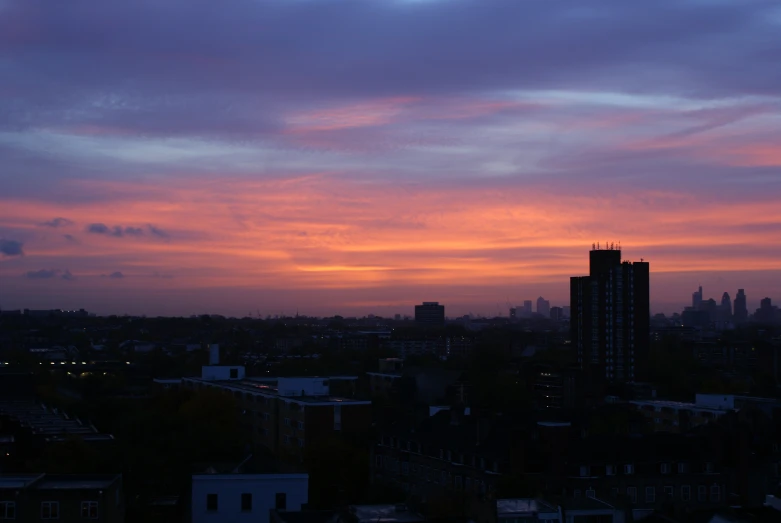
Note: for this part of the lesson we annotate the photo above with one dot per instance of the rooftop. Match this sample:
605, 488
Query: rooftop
385, 514
518, 507
76, 481
10, 481
267, 387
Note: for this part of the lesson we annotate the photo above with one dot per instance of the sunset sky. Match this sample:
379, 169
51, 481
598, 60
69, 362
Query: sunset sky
360, 156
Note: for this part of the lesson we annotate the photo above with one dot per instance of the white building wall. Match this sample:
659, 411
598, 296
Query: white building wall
716, 401
221, 372
229, 488
310, 386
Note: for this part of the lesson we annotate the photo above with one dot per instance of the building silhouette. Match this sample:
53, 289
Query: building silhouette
430, 313
725, 311
740, 310
543, 307
697, 298
610, 320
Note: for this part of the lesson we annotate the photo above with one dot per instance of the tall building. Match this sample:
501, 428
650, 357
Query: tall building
527, 308
697, 298
740, 310
725, 311
610, 320
430, 313
543, 306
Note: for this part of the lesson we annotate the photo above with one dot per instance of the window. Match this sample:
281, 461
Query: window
614, 492
669, 493
715, 493
584, 471
234, 374
50, 510
280, 502
405, 468
709, 468
686, 493
287, 422
7, 510
459, 483
246, 502
89, 509
441, 453
702, 493
665, 468
591, 493
576, 493
211, 502
378, 461
610, 470
632, 493
300, 442
468, 484
300, 425
650, 494
683, 468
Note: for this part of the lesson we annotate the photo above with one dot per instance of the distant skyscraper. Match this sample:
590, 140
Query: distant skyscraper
725, 311
697, 298
556, 313
740, 310
543, 306
527, 308
430, 313
611, 316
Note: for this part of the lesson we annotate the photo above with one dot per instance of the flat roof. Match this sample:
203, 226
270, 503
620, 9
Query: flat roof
677, 405
516, 507
18, 480
385, 513
257, 387
75, 482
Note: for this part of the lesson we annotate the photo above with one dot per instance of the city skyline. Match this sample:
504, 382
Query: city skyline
257, 158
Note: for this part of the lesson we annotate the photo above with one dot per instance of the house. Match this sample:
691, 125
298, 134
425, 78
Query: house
238, 494
66, 498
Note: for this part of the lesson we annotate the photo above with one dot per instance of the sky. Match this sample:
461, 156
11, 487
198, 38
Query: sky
182, 157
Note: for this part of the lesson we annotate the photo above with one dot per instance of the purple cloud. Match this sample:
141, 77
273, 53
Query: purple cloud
57, 222
117, 231
49, 274
9, 248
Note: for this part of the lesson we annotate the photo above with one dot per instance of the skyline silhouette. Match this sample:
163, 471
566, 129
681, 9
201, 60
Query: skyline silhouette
281, 156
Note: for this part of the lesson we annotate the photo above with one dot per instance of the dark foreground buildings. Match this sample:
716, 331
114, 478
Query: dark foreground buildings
610, 316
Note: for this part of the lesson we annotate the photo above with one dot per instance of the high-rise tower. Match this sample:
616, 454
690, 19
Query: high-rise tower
740, 310
610, 316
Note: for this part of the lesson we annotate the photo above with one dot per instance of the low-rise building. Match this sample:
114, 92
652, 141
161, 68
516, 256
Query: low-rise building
221, 494
67, 498
288, 415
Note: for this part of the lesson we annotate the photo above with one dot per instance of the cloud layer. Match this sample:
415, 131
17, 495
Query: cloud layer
374, 154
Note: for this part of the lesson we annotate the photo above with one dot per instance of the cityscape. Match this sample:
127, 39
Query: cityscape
390, 261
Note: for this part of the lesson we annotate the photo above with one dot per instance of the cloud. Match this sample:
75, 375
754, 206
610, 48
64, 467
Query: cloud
43, 274
116, 275
116, 231
48, 274
9, 248
57, 222
158, 232
70, 238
